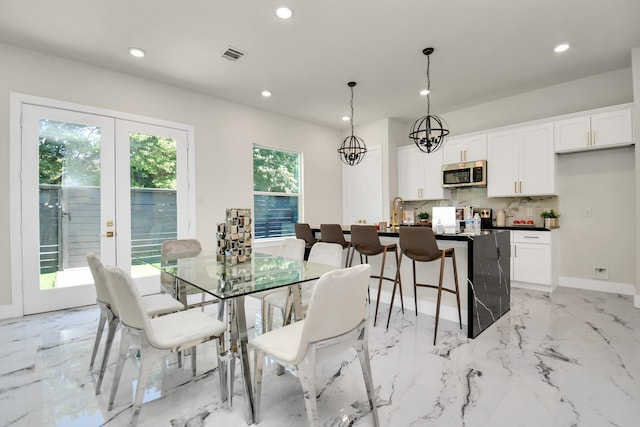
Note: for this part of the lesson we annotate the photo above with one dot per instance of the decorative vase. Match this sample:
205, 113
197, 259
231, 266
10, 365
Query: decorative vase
551, 222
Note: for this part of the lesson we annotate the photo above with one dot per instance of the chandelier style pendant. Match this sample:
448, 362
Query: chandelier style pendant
353, 149
428, 132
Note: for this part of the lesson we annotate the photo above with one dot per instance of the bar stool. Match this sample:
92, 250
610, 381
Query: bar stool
303, 231
365, 240
419, 244
332, 233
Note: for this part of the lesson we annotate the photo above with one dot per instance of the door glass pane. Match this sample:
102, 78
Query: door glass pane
153, 197
69, 201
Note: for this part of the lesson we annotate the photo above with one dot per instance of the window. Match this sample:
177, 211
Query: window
276, 192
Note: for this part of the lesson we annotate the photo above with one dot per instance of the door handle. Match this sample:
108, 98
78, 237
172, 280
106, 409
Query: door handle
109, 234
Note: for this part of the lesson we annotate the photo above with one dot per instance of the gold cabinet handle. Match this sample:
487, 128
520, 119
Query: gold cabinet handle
515, 186
521, 186
465, 155
593, 139
588, 138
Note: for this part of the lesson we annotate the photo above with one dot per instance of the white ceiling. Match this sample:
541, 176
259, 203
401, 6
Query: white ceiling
485, 50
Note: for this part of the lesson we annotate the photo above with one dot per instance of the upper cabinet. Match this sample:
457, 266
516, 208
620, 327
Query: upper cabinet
419, 174
521, 162
595, 131
465, 149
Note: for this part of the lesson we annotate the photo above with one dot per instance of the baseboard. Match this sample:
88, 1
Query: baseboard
10, 311
533, 286
424, 307
599, 285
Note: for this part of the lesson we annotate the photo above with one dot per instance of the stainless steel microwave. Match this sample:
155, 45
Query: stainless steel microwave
467, 174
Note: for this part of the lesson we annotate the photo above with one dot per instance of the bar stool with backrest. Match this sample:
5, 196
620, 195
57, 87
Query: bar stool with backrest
365, 241
303, 231
332, 233
419, 244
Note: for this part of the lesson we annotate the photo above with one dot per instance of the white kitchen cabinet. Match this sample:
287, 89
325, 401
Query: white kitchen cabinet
362, 189
465, 149
594, 131
533, 259
420, 174
521, 162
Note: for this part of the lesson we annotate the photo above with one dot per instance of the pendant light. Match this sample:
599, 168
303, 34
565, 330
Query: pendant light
428, 132
353, 149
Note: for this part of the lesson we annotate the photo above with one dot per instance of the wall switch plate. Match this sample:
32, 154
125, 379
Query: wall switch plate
529, 212
588, 213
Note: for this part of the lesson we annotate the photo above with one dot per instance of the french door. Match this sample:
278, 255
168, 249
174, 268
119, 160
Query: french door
95, 183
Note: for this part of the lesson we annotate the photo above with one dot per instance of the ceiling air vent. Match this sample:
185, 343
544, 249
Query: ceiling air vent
233, 54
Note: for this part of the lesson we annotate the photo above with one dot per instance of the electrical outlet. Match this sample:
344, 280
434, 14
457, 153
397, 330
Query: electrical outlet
600, 273
529, 212
588, 213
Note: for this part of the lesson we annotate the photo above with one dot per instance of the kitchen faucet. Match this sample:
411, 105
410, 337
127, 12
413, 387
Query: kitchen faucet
397, 208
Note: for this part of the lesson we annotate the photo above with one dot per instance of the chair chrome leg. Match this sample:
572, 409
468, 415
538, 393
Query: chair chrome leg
258, 366
111, 333
362, 349
125, 341
306, 375
101, 322
146, 364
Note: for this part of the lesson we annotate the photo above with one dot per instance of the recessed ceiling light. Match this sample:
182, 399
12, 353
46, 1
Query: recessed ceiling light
266, 93
284, 12
561, 48
424, 92
137, 52
345, 118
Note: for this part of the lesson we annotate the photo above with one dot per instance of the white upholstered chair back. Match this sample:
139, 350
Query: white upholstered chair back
292, 248
326, 253
338, 305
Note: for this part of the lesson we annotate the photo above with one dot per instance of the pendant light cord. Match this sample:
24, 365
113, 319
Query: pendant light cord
428, 86
351, 103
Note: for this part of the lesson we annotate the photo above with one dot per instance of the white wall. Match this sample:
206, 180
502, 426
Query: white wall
603, 181
224, 134
635, 64
597, 91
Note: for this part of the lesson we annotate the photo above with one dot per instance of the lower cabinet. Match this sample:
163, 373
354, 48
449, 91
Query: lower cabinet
534, 259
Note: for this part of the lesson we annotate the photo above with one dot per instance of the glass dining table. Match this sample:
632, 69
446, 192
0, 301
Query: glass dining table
231, 283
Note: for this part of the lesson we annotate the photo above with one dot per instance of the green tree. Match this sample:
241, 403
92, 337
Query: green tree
275, 171
153, 162
70, 155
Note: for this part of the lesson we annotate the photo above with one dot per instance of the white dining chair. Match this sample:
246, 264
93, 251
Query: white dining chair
321, 253
337, 313
154, 305
149, 339
289, 248
172, 250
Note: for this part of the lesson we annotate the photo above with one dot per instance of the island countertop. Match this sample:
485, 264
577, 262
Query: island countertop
487, 274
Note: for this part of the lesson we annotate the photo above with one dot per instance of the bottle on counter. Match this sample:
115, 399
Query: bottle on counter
501, 218
439, 227
476, 224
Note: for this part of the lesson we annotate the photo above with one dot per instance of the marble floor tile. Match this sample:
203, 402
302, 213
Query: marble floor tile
571, 358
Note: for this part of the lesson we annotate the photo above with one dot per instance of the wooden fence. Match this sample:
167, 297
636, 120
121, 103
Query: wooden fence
70, 224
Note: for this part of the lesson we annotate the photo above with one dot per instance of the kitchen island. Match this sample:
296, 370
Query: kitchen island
483, 263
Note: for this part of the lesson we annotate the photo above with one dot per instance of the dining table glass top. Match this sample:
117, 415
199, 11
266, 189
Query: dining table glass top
225, 280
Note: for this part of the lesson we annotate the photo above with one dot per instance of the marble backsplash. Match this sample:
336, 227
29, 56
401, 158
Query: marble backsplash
515, 208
